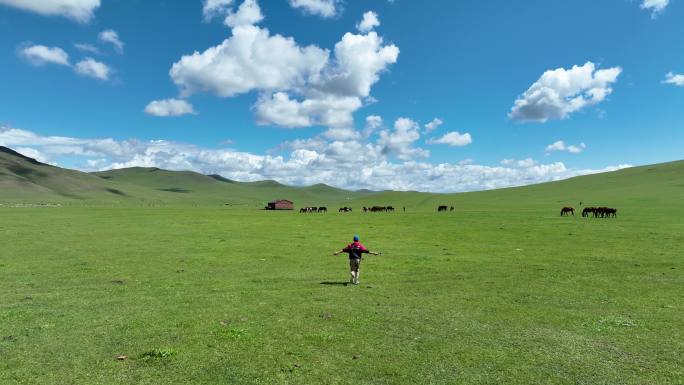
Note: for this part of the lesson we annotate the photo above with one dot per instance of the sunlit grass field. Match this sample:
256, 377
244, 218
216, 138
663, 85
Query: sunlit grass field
483, 295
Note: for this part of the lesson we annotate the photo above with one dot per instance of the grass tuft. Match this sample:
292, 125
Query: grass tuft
159, 353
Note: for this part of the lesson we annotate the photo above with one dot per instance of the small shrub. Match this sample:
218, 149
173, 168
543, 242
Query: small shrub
159, 353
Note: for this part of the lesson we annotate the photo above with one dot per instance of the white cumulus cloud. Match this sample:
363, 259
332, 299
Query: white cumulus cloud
321, 109
400, 141
323, 8
370, 20
675, 79
349, 164
359, 61
520, 163
561, 146
248, 13
79, 10
40, 55
251, 59
279, 109
373, 123
341, 134
298, 86
112, 37
453, 139
332, 96
93, 68
655, 6
433, 125
169, 107
213, 8
560, 92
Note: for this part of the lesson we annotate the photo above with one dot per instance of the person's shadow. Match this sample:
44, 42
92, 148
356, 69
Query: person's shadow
331, 283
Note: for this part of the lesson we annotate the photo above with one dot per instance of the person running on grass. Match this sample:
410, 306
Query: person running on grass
355, 251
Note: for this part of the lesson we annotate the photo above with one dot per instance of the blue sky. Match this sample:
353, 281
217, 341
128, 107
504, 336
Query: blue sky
303, 92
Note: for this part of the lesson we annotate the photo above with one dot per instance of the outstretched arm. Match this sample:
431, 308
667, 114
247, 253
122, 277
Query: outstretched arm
346, 249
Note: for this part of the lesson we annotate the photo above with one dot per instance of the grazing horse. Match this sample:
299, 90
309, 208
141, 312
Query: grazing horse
566, 211
322, 209
442, 208
608, 212
599, 212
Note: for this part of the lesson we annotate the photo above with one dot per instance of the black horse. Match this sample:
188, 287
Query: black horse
566, 211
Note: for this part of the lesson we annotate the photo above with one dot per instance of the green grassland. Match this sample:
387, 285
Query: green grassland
185, 276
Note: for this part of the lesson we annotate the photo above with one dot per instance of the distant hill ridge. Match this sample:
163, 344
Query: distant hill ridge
13, 153
26, 180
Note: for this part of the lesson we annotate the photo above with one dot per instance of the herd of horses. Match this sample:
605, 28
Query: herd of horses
378, 209
345, 209
314, 209
596, 212
371, 209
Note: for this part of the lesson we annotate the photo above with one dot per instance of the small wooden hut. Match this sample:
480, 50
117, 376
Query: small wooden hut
280, 204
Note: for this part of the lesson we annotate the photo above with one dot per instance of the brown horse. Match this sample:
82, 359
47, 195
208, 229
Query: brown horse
566, 211
605, 212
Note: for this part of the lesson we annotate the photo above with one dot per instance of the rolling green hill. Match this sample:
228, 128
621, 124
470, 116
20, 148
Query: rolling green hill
657, 187
25, 180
